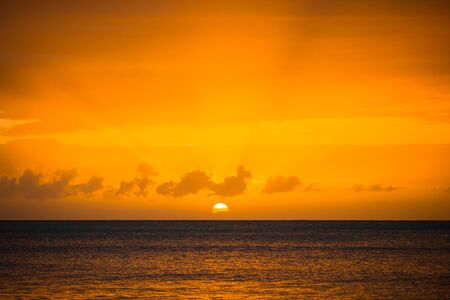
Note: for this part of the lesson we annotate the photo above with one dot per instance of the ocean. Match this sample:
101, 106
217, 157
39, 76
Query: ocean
224, 260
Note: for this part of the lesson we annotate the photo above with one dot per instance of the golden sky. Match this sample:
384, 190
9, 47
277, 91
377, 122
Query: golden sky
313, 109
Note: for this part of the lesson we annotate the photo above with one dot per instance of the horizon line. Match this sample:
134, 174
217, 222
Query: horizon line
224, 220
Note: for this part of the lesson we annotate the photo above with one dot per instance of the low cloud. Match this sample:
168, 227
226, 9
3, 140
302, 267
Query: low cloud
192, 183
233, 185
166, 188
139, 186
373, 188
35, 185
196, 181
280, 184
94, 184
31, 185
125, 188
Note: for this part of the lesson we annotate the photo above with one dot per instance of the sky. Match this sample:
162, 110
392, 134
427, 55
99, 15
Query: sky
306, 109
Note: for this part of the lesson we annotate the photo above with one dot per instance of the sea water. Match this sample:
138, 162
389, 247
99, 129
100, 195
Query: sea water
225, 259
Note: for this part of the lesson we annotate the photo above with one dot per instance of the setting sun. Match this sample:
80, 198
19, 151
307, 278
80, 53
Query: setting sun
220, 208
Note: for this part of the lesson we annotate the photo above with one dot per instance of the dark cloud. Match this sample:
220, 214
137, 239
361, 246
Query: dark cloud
32, 185
195, 181
280, 184
35, 185
125, 188
140, 184
233, 185
166, 188
190, 183
373, 188
94, 184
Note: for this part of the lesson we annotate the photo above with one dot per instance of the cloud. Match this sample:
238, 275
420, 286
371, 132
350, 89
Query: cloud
280, 184
125, 188
94, 184
190, 183
35, 185
32, 185
140, 184
165, 188
373, 188
195, 181
233, 185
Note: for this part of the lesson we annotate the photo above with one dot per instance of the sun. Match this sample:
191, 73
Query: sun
220, 208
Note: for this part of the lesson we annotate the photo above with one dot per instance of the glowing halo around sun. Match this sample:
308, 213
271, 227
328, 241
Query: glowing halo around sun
219, 208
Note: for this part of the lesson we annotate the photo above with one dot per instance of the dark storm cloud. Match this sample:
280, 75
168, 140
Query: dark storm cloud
280, 184
195, 181
373, 188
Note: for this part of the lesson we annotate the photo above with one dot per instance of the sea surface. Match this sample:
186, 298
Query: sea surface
224, 260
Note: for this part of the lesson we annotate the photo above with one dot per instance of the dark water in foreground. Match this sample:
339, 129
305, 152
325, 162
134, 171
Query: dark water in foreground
233, 260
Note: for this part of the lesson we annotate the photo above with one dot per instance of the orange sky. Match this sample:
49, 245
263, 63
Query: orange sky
281, 109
